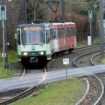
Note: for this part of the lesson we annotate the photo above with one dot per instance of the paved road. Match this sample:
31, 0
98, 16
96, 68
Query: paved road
32, 79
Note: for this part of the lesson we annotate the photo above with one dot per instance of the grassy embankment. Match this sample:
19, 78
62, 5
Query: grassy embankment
7, 73
81, 44
84, 43
102, 60
57, 93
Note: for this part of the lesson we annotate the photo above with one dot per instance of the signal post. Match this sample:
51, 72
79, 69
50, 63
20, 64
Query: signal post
3, 19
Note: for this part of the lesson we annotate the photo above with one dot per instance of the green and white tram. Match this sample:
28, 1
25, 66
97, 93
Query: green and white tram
33, 43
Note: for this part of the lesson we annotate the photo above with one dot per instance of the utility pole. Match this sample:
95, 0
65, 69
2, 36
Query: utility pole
90, 14
3, 19
62, 10
4, 54
101, 26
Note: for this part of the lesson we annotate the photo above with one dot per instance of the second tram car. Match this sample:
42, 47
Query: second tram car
36, 43
64, 36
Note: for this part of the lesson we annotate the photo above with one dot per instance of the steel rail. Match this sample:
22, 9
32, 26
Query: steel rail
87, 90
28, 91
94, 63
77, 58
93, 57
102, 91
86, 47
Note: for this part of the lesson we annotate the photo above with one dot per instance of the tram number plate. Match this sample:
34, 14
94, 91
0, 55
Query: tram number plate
66, 61
33, 60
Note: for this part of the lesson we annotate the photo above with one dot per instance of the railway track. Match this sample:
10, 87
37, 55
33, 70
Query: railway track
95, 92
4, 100
96, 86
54, 63
101, 76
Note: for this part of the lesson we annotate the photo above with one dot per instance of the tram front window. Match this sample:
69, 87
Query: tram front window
33, 35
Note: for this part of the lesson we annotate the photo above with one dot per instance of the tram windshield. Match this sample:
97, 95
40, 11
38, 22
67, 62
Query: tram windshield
33, 35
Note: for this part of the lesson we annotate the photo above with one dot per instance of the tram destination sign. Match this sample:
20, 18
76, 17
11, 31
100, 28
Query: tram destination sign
3, 13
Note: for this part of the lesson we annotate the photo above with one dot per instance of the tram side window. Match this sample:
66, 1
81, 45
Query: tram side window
69, 31
42, 37
65, 31
53, 34
60, 32
23, 36
18, 37
72, 31
47, 36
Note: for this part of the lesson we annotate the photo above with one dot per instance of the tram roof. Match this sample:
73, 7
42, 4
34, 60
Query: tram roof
34, 24
65, 24
57, 25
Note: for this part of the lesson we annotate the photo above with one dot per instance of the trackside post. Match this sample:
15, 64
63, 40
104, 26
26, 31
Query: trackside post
3, 18
66, 62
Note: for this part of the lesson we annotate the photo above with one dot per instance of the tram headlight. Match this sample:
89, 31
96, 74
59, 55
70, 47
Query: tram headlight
41, 53
25, 53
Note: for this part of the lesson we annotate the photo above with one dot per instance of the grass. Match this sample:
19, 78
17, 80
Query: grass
81, 44
96, 40
7, 73
84, 43
102, 60
12, 57
58, 93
